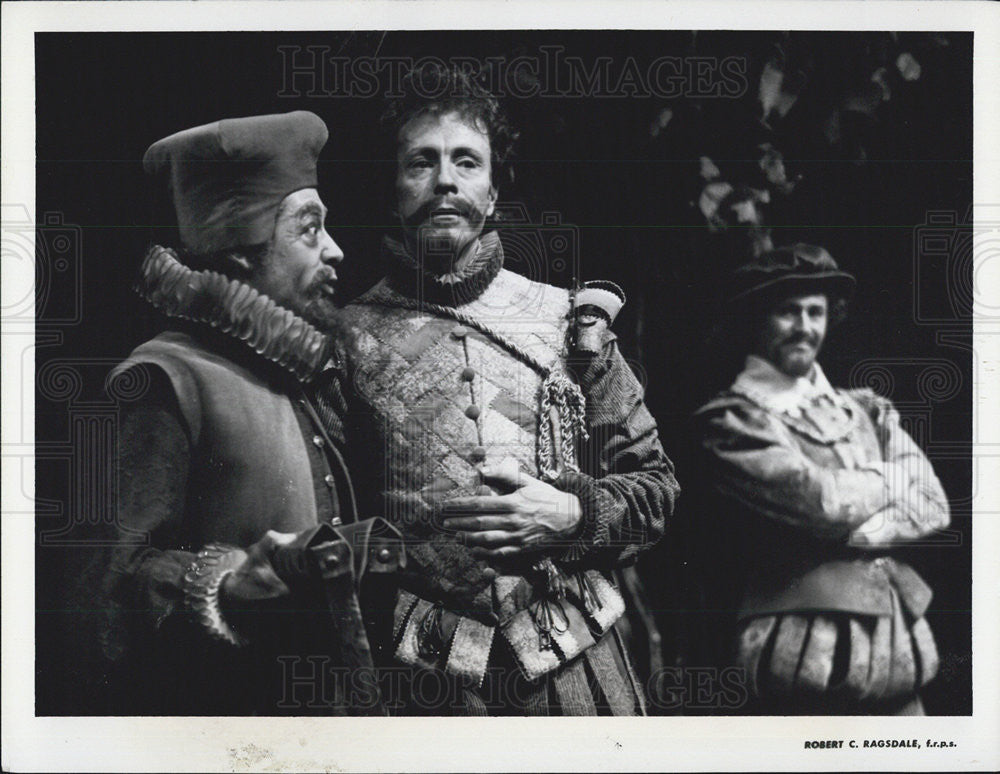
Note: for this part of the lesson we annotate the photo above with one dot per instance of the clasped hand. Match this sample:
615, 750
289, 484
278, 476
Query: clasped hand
532, 516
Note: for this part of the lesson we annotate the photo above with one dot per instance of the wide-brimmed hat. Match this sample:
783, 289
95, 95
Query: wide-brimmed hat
228, 178
798, 268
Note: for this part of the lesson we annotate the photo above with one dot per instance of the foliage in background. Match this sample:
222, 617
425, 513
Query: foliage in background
827, 96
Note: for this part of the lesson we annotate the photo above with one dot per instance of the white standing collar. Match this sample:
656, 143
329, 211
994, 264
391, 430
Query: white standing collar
771, 388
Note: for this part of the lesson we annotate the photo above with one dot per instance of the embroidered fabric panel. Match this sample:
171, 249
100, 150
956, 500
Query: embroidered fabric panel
410, 368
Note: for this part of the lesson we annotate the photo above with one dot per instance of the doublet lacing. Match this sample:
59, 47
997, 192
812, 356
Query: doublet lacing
560, 397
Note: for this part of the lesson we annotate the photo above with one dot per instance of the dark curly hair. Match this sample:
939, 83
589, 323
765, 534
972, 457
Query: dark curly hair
436, 89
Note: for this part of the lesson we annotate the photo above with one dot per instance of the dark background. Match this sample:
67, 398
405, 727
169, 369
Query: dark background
624, 185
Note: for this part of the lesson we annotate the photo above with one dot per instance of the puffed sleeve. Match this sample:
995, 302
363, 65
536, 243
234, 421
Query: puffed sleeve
626, 486
918, 504
752, 459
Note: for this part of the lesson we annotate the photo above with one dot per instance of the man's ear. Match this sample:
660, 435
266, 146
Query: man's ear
493, 200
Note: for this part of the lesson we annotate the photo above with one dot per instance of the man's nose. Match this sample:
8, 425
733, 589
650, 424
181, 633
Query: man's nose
331, 250
804, 323
445, 182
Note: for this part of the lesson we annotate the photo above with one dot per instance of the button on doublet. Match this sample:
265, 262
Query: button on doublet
318, 441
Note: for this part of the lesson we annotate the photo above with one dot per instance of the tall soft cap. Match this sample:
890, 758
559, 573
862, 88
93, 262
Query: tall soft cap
228, 178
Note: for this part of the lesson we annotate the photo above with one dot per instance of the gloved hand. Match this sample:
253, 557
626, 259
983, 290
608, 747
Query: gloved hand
255, 585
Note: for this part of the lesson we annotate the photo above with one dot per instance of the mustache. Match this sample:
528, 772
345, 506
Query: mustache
326, 275
423, 213
798, 338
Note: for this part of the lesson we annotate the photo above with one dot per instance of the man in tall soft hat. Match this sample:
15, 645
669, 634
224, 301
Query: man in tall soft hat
223, 462
472, 399
819, 487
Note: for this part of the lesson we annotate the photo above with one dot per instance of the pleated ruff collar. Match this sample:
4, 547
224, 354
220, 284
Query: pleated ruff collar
234, 308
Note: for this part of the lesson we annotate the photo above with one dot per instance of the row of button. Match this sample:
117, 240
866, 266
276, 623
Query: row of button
472, 411
328, 479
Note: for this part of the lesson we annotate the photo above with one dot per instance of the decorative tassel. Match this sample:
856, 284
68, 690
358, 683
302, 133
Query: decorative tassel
429, 642
561, 401
562, 409
561, 425
588, 594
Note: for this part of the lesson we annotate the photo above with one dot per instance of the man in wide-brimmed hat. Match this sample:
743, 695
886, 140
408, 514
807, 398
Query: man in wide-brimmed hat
223, 463
817, 487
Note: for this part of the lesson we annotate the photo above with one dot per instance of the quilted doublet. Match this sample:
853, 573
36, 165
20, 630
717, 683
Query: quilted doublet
445, 390
446, 396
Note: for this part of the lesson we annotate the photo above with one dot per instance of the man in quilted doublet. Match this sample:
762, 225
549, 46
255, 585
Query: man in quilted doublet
819, 487
521, 468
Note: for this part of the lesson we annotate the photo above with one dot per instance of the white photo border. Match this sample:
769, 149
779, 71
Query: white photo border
560, 744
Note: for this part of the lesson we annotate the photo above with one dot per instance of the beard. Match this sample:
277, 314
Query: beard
794, 360
437, 246
323, 315
317, 306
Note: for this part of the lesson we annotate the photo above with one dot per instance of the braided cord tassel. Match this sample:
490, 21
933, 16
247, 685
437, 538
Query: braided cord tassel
561, 401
